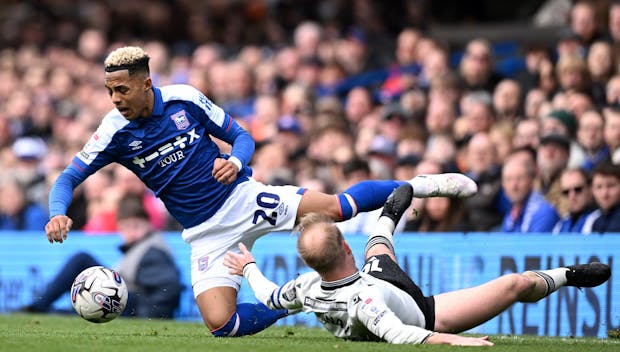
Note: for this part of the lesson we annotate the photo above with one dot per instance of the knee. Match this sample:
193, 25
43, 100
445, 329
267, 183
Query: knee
521, 284
217, 322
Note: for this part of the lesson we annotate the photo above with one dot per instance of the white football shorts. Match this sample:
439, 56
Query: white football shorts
252, 210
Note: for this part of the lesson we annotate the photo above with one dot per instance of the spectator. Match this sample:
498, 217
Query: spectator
16, 211
611, 133
606, 191
402, 73
536, 55
577, 194
435, 64
551, 158
291, 136
476, 69
529, 212
613, 22
263, 124
601, 63
306, 38
563, 122
534, 100
381, 157
590, 138
507, 100
559, 121
147, 266
358, 104
570, 44
526, 134
613, 91
406, 167
29, 153
440, 116
572, 74
477, 110
584, 22
502, 134
482, 210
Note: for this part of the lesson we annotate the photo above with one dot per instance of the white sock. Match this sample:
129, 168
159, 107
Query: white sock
382, 234
554, 278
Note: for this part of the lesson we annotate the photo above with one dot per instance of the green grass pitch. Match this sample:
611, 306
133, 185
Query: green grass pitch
49, 333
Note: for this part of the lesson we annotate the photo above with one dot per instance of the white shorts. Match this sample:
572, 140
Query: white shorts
252, 210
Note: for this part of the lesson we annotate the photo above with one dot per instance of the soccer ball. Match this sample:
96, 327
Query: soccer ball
99, 294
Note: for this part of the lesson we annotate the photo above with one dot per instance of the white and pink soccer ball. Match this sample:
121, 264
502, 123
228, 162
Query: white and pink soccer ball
99, 294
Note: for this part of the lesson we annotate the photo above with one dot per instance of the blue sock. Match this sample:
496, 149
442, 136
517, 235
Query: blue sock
365, 196
249, 319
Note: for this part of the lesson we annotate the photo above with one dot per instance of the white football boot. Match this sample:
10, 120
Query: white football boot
451, 185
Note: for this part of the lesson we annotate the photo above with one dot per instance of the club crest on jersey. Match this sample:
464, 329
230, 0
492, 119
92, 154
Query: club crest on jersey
180, 120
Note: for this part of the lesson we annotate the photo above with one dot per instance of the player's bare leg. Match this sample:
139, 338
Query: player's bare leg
319, 202
462, 310
217, 305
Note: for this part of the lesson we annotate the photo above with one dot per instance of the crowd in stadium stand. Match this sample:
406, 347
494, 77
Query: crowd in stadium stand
343, 96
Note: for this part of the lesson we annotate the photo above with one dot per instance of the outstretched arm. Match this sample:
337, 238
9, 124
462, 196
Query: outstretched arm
270, 294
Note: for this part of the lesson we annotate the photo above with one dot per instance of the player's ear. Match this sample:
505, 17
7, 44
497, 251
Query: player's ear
347, 249
148, 84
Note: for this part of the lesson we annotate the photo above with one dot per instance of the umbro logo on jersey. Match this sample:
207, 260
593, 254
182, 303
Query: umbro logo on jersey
135, 145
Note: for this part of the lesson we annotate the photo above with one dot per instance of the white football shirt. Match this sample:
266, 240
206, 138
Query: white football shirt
359, 307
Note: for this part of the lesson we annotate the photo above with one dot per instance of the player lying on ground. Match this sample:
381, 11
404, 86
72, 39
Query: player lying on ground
381, 302
164, 136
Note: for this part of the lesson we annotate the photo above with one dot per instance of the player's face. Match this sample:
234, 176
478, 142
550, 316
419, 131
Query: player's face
130, 94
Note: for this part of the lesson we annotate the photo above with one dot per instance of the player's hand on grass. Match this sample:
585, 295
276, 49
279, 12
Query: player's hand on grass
237, 261
57, 228
458, 340
224, 171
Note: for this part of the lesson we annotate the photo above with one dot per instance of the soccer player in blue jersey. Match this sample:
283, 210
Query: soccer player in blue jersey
163, 135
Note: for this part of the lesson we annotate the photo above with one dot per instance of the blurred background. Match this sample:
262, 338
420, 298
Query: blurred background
333, 92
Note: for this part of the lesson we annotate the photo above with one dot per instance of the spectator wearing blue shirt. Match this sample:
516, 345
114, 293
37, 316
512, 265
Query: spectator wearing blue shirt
16, 212
606, 190
529, 212
577, 195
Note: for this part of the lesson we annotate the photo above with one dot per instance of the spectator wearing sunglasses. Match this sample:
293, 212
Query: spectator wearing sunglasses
577, 196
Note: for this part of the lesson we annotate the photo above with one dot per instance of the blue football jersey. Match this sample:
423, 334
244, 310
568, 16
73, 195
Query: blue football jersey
171, 151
